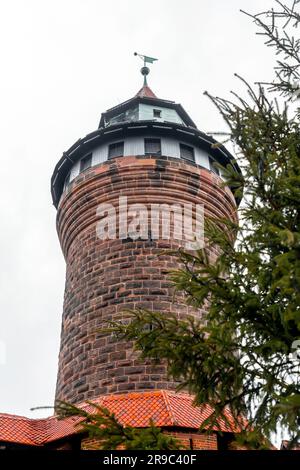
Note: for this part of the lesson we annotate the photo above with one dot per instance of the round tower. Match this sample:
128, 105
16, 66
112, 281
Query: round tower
147, 152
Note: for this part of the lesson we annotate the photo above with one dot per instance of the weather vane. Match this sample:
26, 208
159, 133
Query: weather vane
145, 70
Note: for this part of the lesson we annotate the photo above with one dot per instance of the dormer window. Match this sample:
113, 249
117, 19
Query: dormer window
156, 113
86, 162
187, 152
152, 147
116, 150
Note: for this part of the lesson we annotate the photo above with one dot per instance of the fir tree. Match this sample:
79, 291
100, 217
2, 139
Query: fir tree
243, 356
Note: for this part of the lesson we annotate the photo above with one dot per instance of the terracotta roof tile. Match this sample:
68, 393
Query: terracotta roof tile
164, 408
146, 92
16, 429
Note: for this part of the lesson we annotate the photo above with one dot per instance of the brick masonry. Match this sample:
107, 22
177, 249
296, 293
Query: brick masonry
189, 440
103, 278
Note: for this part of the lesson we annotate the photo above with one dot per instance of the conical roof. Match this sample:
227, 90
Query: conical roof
146, 92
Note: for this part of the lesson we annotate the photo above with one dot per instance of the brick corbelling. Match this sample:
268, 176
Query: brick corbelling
104, 278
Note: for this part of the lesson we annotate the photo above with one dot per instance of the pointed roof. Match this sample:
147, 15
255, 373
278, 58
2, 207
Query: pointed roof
146, 92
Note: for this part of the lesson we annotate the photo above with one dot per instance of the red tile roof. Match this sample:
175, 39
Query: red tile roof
165, 408
146, 92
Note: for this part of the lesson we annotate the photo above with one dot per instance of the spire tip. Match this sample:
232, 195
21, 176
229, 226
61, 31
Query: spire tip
145, 70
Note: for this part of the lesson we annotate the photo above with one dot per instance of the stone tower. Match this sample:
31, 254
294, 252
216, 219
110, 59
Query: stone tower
149, 151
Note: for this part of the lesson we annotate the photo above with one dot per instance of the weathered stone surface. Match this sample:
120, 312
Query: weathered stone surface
104, 278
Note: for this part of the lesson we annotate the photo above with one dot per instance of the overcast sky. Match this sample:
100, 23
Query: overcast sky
63, 62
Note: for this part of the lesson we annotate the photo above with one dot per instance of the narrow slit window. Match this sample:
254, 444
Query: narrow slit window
152, 147
116, 150
187, 152
86, 162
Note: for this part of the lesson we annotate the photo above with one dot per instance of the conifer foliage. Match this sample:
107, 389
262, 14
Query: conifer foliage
245, 354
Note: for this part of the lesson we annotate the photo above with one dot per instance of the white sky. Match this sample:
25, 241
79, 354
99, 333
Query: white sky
63, 62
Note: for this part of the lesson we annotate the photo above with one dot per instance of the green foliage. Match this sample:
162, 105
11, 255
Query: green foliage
103, 426
241, 356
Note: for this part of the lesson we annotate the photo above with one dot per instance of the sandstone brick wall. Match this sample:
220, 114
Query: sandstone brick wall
196, 440
105, 277
190, 441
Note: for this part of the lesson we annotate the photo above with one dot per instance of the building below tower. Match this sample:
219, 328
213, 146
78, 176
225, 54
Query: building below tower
173, 412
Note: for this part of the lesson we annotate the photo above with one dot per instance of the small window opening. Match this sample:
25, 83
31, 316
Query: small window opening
187, 152
116, 150
212, 166
152, 147
86, 162
67, 180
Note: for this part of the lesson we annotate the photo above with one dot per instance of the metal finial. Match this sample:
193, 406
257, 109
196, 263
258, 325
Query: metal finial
145, 70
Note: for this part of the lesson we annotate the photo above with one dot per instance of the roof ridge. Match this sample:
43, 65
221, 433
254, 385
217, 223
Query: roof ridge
134, 395
11, 416
165, 394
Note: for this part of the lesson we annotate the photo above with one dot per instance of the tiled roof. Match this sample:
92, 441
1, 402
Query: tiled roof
146, 92
16, 429
164, 408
